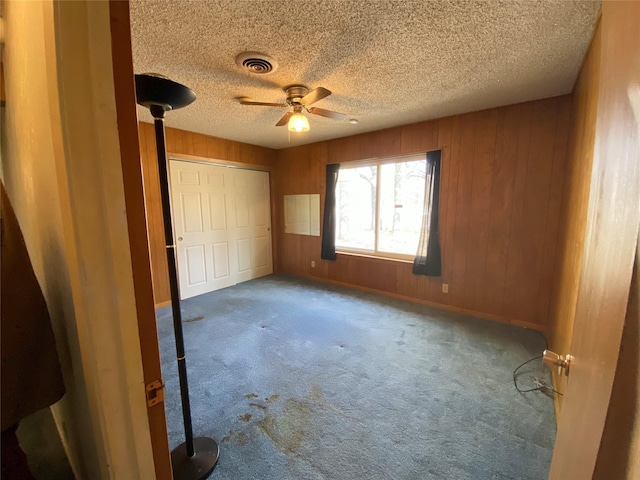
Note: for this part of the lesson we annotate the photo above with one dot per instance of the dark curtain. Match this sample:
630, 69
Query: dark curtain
329, 219
428, 260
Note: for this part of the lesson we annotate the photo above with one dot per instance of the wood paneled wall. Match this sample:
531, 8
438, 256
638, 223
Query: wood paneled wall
187, 145
575, 205
501, 195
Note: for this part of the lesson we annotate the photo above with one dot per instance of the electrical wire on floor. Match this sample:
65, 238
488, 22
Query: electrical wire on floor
541, 385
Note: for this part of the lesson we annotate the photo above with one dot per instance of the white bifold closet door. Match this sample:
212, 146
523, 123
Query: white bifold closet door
222, 225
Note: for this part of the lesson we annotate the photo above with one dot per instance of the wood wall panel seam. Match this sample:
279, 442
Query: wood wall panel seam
483, 163
560, 160
459, 288
453, 200
543, 158
516, 228
491, 211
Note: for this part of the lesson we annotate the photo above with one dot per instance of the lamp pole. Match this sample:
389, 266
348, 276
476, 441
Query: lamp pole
196, 457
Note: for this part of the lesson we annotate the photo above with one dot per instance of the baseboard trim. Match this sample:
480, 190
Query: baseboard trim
450, 308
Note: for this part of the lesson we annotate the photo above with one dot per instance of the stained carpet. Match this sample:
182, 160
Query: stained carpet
302, 380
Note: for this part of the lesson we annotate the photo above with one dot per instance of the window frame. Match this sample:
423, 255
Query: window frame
378, 162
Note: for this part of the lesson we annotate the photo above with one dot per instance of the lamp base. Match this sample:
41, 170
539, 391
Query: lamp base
200, 465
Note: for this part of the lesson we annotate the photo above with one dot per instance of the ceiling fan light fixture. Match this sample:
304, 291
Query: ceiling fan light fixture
299, 99
298, 123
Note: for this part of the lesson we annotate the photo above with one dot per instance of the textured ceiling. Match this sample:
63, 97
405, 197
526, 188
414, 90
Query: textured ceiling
387, 63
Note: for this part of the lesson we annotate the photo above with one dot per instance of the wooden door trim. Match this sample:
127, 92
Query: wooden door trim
136, 225
183, 157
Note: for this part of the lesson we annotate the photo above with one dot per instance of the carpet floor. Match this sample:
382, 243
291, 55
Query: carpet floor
302, 380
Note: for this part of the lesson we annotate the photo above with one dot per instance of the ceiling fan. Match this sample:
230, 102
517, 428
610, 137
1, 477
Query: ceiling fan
298, 99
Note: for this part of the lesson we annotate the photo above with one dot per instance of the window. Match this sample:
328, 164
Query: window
379, 207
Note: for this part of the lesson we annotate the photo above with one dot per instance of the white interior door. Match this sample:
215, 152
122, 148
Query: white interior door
222, 225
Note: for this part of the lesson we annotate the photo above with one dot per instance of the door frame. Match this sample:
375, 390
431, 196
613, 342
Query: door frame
116, 32
123, 77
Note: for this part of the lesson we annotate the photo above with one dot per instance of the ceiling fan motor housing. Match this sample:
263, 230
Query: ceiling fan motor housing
295, 93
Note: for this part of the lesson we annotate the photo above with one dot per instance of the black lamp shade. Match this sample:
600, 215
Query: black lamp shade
160, 91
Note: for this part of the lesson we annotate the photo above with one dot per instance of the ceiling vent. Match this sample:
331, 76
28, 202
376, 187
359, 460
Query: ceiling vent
258, 63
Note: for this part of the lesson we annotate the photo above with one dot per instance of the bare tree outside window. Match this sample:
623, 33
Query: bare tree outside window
379, 207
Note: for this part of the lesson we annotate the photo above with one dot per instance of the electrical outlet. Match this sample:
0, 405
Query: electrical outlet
313, 264
445, 288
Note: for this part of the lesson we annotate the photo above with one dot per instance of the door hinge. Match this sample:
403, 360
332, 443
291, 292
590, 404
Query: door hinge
155, 393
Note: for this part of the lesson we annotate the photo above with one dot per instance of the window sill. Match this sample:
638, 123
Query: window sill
370, 256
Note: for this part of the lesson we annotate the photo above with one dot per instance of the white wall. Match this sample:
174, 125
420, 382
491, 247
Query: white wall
61, 168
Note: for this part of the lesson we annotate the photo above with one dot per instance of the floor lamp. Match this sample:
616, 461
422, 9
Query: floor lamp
195, 458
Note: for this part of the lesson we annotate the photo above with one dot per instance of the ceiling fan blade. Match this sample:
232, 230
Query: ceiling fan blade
315, 95
248, 101
284, 120
327, 113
